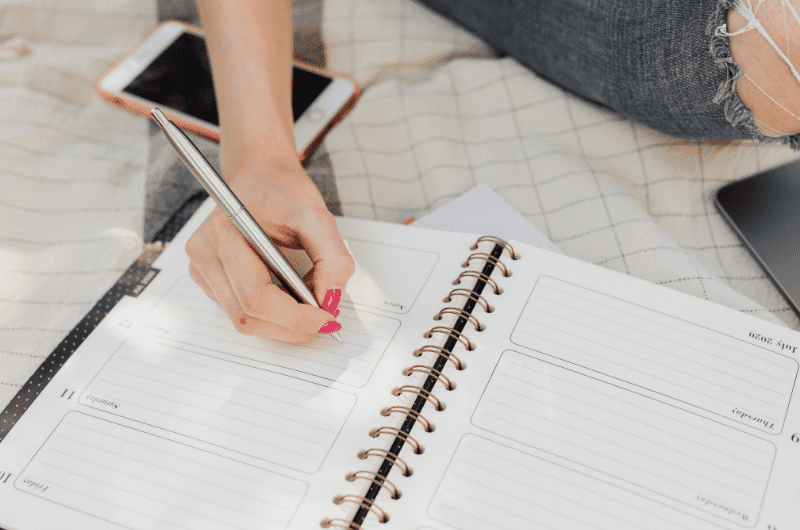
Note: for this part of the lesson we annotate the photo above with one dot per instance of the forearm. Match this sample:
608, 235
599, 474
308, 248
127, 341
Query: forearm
250, 46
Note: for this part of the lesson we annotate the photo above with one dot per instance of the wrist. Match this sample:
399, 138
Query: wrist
276, 154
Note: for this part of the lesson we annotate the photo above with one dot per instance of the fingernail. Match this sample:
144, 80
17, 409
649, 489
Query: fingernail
330, 327
331, 301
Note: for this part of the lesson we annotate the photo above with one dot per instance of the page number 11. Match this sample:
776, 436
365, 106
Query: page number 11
4, 476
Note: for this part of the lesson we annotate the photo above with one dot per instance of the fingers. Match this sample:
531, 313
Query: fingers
258, 296
239, 281
201, 282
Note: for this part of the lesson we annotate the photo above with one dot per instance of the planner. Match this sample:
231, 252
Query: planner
482, 383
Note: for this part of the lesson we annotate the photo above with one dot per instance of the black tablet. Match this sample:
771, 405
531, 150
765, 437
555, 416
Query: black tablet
765, 212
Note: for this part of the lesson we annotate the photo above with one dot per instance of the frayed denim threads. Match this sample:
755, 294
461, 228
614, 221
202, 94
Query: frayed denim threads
735, 112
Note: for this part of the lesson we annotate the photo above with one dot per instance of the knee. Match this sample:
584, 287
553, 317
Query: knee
769, 88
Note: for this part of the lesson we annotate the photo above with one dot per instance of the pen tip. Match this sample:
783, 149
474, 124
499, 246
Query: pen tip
338, 337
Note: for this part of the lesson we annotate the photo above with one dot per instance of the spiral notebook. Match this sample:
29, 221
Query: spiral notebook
481, 384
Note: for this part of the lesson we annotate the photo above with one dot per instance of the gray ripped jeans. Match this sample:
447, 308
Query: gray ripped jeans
658, 62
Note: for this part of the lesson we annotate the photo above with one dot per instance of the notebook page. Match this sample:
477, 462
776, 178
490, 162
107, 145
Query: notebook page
599, 401
166, 417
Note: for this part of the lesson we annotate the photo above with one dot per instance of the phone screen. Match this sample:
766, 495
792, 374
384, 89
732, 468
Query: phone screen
180, 78
765, 211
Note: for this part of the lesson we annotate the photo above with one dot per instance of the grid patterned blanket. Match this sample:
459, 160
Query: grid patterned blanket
440, 113
73, 171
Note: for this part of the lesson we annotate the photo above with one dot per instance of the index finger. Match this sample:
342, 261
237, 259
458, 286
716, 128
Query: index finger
333, 264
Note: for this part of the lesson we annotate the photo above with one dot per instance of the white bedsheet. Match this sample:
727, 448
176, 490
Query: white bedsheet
73, 173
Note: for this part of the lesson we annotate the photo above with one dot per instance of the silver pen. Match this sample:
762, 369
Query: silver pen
236, 212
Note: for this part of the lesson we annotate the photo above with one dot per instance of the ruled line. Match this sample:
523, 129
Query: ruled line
72, 473
259, 442
180, 457
617, 444
227, 327
342, 316
531, 503
617, 348
634, 370
185, 285
504, 510
114, 504
145, 480
782, 394
165, 398
161, 468
621, 462
237, 374
228, 401
289, 355
725, 359
550, 476
609, 396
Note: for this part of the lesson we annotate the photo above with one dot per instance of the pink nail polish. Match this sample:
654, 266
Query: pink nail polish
330, 327
331, 302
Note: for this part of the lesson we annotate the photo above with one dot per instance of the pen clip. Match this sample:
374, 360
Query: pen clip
198, 165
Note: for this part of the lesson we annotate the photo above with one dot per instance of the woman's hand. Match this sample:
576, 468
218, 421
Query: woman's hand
290, 210
250, 47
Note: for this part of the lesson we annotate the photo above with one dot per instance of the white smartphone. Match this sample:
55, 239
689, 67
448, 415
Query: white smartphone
170, 69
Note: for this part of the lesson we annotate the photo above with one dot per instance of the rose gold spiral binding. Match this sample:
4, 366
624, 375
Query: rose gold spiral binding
472, 295
337, 523
453, 333
497, 241
377, 480
491, 259
481, 276
452, 357
384, 453
428, 424
418, 449
421, 392
461, 313
364, 502
424, 369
